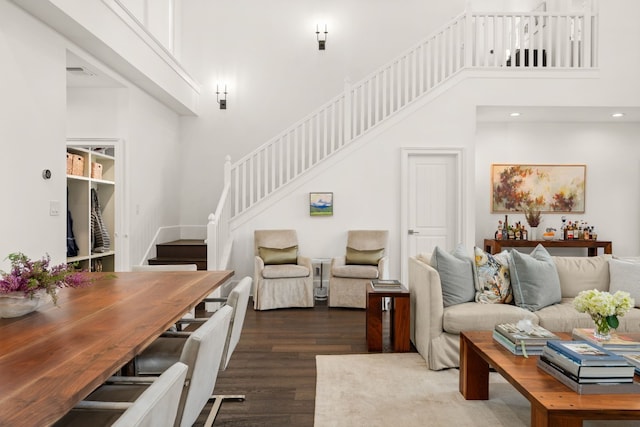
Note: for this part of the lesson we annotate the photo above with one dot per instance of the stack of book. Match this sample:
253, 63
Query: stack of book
587, 368
386, 285
521, 342
625, 345
618, 343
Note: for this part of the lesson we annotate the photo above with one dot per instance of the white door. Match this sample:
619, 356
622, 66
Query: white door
432, 186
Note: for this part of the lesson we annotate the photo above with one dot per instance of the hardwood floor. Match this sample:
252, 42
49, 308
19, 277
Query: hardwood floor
274, 363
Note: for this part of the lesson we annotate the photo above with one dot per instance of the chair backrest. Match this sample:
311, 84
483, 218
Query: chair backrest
157, 406
366, 240
202, 353
165, 267
277, 239
238, 299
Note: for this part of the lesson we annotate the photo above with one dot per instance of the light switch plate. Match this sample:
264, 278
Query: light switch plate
54, 207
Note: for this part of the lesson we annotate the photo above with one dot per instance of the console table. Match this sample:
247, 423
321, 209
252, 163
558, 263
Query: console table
494, 246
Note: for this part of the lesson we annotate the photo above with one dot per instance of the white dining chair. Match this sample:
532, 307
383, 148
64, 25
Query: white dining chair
156, 406
166, 350
202, 353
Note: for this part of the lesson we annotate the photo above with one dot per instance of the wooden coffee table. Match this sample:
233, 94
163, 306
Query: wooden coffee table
552, 403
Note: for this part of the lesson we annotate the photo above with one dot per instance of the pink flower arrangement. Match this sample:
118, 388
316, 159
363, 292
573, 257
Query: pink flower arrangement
30, 277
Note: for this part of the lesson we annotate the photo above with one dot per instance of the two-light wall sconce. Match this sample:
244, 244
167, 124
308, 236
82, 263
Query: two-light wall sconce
222, 101
321, 41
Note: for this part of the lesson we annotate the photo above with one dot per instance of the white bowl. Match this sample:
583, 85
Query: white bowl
548, 237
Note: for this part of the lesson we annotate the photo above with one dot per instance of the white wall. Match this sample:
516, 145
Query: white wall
36, 123
268, 54
366, 186
32, 136
610, 152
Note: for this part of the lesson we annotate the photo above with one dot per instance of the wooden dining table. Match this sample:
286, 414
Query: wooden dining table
53, 358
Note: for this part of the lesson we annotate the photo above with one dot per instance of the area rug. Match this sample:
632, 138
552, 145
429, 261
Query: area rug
397, 389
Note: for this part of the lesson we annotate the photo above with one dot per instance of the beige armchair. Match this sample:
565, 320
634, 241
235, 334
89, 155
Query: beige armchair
282, 277
365, 259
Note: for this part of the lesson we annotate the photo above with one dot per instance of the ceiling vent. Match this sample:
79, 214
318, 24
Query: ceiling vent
80, 71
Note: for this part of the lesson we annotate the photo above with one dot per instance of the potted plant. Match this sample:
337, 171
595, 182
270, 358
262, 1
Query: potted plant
24, 288
533, 216
604, 308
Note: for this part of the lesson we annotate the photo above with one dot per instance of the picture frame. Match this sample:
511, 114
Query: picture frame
551, 188
321, 204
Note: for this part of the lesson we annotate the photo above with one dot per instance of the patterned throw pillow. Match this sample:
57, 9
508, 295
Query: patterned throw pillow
493, 281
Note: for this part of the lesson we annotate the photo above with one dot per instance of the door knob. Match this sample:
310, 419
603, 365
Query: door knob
413, 232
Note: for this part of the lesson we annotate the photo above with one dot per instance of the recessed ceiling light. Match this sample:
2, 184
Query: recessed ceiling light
617, 115
514, 114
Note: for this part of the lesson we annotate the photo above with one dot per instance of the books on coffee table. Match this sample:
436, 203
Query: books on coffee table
520, 342
602, 387
618, 342
533, 335
586, 353
517, 349
587, 374
633, 359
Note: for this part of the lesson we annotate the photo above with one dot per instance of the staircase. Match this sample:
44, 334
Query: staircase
537, 41
186, 251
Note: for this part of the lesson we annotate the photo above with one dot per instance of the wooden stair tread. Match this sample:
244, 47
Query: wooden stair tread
184, 242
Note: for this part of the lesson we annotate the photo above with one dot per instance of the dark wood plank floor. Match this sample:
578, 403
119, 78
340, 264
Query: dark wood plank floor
274, 363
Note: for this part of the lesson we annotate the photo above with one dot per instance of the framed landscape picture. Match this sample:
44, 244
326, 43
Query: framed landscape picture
551, 188
320, 204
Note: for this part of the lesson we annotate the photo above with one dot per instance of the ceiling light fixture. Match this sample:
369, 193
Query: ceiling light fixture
617, 115
515, 114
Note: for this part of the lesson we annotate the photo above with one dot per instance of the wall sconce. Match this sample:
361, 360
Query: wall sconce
222, 101
323, 41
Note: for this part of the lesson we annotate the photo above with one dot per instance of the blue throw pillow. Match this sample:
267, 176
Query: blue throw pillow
456, 275
534, 279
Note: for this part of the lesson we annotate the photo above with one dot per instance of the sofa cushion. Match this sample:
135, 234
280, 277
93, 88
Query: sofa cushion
472, 316
278, 255
625, 276
493, 285
534, 279
355, 271
578, 274
563, 317
630, 322
456, 275
280, 271
363, 257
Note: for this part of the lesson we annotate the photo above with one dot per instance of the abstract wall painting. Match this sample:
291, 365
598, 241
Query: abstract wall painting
548, 188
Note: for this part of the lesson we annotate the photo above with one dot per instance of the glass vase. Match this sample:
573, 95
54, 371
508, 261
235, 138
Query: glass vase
602, 330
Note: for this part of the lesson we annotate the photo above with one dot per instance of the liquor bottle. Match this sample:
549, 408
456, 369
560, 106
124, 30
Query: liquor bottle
524, 233
569, 231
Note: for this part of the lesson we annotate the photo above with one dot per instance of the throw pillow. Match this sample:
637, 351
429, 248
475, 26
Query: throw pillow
492, 277
273, 256
625, 276
366, 257
534, 279
456, 275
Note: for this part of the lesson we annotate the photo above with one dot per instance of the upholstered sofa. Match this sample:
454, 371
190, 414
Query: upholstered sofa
435, 328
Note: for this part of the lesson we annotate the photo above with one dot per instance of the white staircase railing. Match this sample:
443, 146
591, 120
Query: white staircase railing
510, 42
219, 241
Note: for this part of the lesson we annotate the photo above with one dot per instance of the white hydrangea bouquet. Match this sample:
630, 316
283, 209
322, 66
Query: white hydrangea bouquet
604, 308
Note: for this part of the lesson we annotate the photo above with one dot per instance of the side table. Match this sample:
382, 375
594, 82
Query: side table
399, 319
320, 294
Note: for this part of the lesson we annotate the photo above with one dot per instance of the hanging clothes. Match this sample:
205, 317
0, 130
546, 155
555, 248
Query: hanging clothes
101, 241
